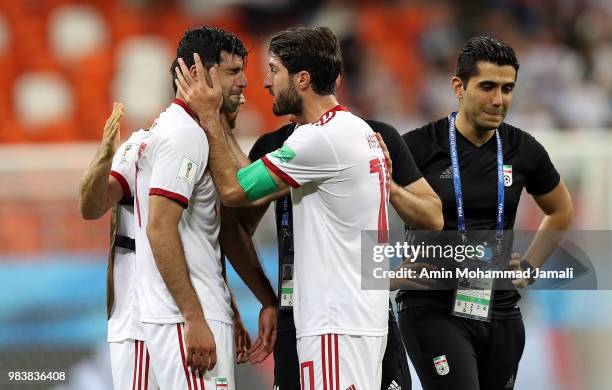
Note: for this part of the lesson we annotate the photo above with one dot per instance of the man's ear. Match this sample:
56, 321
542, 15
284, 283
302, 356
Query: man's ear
458, 87
302, 80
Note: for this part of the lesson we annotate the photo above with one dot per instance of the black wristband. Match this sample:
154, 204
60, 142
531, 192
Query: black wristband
525, 265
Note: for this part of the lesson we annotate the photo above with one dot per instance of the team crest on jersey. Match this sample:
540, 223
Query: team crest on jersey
220, 383
187, 171
441, 365
507, 175
285, 154
126, 154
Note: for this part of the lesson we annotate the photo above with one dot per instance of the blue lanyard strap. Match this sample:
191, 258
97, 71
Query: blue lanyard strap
499, 224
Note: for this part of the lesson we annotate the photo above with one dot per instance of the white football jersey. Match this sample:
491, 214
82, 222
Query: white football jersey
339, 188
124, 322
172, 163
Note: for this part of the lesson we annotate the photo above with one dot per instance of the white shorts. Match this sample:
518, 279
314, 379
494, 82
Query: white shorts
130, 363
166, 343
341, 362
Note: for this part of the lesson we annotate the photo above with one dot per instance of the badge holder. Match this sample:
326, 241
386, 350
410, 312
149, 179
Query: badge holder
473, 296
473, 299
285, 250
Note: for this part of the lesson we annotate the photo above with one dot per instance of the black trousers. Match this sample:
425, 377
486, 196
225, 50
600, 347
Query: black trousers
470, 354
395, 370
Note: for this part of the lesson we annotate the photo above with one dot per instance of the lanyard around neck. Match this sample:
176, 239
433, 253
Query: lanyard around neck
452, 140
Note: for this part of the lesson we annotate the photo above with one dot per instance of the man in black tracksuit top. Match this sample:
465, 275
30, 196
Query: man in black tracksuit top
411, 186
447, 350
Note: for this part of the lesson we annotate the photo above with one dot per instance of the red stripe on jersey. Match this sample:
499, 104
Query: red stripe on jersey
180, 338
194, 375
283, 176
202, 380
323, 362
186, 108
135, 365
146, 378
141, 149
124, 184
330, 358
337, 362
171, 195
140, 365
310, 366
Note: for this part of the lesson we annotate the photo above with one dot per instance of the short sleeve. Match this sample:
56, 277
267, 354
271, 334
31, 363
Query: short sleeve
123, 167
306, 156
543, 177
405, 170
178, 163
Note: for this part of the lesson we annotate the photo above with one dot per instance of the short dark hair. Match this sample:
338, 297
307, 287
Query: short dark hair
483, 49
208, 42
314, 50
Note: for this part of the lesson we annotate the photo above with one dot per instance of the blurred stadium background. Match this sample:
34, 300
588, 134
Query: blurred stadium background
63, 63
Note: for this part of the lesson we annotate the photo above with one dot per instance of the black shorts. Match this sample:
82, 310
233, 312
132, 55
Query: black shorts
395, 371
452, 353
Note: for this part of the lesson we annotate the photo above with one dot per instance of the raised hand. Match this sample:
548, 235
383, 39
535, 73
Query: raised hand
202, 93
111, 135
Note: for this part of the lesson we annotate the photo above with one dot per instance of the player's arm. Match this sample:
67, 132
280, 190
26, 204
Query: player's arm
242, 340
167, 247
240, 251
558, 210
236, 187
417, 203
98, 191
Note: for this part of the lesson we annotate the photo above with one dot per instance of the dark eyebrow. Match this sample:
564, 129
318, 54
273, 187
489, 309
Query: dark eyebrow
493, 83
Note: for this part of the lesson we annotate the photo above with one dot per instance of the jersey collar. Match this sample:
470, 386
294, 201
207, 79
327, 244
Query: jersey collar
185, 107
327, 116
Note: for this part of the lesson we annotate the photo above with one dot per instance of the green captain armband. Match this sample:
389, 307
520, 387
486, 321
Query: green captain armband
256, 181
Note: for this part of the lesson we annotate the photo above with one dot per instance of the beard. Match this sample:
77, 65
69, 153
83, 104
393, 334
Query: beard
229, 105
288, 102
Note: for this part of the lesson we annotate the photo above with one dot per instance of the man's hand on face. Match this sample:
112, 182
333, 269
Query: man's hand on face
203, 93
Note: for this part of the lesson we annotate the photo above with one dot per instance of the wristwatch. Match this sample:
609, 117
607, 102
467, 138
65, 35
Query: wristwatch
525, 265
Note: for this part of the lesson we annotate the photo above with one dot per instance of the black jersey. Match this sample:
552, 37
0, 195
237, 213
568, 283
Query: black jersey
405, 172
531, 169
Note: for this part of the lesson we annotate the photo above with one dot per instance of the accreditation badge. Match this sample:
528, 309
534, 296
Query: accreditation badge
473, 299
286, 269
286, 290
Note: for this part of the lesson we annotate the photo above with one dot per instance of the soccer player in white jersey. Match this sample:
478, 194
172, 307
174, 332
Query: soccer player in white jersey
339, 187
184, 301
109, 181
